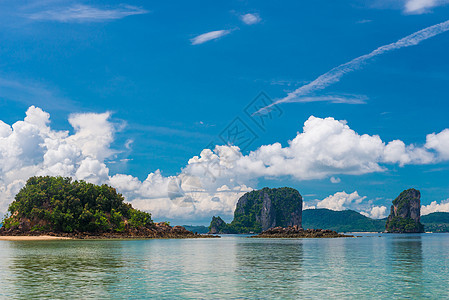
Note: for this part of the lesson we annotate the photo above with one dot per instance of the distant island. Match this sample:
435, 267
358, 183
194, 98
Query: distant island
59, 206
405, 213
272, 213
255, 207
260, 210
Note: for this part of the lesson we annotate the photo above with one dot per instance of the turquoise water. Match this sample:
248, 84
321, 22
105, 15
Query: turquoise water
390, 266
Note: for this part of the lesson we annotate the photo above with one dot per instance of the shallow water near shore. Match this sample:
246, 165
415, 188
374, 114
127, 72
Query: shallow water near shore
389, 266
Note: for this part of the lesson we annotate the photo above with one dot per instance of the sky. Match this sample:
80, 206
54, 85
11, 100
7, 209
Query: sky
185, 106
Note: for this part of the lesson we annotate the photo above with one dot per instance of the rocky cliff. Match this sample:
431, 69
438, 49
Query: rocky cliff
217, 225
263, 209
405, 213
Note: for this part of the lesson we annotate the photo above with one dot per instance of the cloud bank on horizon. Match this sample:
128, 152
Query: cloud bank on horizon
212, 182
335, 74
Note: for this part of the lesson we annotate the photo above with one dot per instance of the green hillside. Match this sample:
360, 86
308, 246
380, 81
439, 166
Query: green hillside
196, 228
340, 221
436, 222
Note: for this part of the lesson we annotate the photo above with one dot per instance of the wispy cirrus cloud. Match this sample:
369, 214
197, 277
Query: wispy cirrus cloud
334, 75
209, 36
347, 99
30, 92
81, 13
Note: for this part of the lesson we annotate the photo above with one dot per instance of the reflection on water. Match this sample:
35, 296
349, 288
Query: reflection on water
390, 266
407, 266
44, 269
269, 268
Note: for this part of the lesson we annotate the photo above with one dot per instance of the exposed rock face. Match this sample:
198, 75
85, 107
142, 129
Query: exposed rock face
217, 225
263, 209
405, 213
298, 232
260, 210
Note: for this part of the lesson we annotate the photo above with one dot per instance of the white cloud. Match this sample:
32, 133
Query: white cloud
250, 19
440, 143
93, 134
84, 13
205, 37
340, 99
422, 6
325, 148
397, 152
335, 179
30, 147
376, 212
435, 207
341, 201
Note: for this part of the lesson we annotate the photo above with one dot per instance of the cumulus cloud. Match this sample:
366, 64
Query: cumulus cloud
211, 182
326, 147
440, 143
250, 19
30, 147
85, 13
435, 207
209, 36
341, 201
376, 212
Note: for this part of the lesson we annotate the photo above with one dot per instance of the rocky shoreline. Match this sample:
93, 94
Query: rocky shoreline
160, 231
298, 232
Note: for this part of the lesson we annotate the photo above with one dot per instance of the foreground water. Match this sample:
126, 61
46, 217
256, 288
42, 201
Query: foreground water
390, 266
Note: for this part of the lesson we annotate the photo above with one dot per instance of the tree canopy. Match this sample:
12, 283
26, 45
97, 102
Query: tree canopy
62, 205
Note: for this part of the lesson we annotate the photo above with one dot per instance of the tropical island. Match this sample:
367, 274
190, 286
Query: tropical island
405, 213
260, 211
59, 206
271, 213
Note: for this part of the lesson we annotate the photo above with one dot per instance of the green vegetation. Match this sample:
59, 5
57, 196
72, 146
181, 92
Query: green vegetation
59, 204
217, 225
284, 202
340, 221
404, 198
436, 222
399, 224
196, 228
404, 216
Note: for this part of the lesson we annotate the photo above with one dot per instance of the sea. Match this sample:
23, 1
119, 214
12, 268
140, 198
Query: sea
371, 266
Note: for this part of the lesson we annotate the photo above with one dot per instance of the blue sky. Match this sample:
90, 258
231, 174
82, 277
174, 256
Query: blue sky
173, 76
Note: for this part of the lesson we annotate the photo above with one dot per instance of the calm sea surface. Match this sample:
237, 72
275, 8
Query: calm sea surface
390, 266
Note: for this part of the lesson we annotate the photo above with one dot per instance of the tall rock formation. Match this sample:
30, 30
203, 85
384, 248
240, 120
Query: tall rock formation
263, 209
405, 213
217, 225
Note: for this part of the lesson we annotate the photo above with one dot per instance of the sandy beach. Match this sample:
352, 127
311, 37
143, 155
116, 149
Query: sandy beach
33, 238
